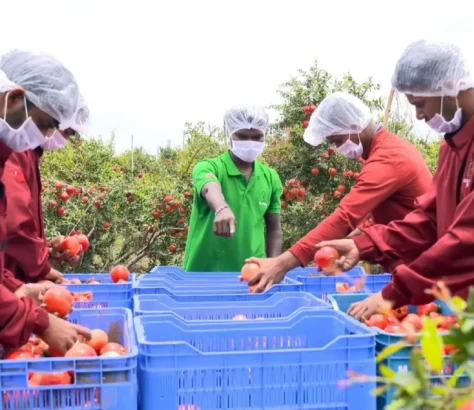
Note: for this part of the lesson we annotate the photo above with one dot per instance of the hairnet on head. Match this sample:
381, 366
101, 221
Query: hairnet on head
338, 114
246, 117
432, 69
47, 83
80, 121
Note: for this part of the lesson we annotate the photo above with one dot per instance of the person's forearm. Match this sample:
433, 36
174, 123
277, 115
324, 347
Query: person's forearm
287, 261
212, 193
274, 243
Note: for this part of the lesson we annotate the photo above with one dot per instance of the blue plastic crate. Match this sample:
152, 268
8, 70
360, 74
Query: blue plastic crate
107, 294
322, 286
214, 288
400, 361
253, 365
99, 383
281, 305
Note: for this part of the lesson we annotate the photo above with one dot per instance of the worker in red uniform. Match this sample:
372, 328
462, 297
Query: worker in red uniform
36, 93
28, 255
436, 240
395, 173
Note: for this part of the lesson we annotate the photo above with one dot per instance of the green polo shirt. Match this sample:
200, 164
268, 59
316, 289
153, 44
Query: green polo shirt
250, 202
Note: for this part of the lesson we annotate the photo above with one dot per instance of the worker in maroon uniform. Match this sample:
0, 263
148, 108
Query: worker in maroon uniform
435, 242
36, 94
394, 175
28, 255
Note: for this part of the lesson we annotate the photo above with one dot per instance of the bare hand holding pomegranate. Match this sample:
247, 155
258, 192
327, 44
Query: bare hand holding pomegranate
347, 250
62, 335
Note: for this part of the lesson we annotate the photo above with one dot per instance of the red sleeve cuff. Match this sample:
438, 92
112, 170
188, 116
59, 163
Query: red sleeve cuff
301, 254
41, 322
393, 295
365, 245
10, 282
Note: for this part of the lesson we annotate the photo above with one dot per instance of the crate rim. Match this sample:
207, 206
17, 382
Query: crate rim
365, 332
132, 352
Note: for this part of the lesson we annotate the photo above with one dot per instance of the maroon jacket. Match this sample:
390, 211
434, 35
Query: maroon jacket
19, 317
436, 241
394, 175
27, 253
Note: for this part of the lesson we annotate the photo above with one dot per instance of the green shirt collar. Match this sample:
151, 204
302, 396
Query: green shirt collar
232, 169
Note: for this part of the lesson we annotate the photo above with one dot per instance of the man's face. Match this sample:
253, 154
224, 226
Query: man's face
338, 140
428, 107
16, 114
248, 135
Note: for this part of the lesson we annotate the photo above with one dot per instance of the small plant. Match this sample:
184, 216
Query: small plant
414, 389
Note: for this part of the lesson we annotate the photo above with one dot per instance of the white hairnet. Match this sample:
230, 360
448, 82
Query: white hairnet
80, 121
47, 83
432, 69
338, 114
246, 117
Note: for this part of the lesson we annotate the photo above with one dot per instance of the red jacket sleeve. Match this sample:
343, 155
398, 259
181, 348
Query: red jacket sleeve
19, 318
450, 259
10, 282
402, 241
25, 247
427, 258
377, 182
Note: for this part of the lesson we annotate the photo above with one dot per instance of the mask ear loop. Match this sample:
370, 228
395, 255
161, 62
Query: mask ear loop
5, 109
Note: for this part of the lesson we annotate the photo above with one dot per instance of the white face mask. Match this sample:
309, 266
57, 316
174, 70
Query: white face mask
28, 136
56, 141
247, 151
439, 124
350, 149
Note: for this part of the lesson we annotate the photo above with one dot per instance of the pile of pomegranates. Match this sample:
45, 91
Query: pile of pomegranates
402, 321
99, 345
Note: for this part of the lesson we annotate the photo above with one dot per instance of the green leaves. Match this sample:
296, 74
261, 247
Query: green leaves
391, 349
432, 345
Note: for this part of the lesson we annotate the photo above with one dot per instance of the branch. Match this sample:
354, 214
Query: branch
138, 252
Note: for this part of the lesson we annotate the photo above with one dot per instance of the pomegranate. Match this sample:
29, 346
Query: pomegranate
326, 257
64, 196
49, 379
20, 355
113, 347
58, 301
81, 350
110, 354
84, 241
99, 340
249, 271
120, 272
72, 245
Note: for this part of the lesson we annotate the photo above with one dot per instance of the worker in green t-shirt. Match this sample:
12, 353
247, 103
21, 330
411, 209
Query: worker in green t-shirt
236, 210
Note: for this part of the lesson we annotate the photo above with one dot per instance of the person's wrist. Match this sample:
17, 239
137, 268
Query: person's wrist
220, 209
22, 291
287, 261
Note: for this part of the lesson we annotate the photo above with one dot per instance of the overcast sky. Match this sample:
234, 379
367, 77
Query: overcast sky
147, 67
